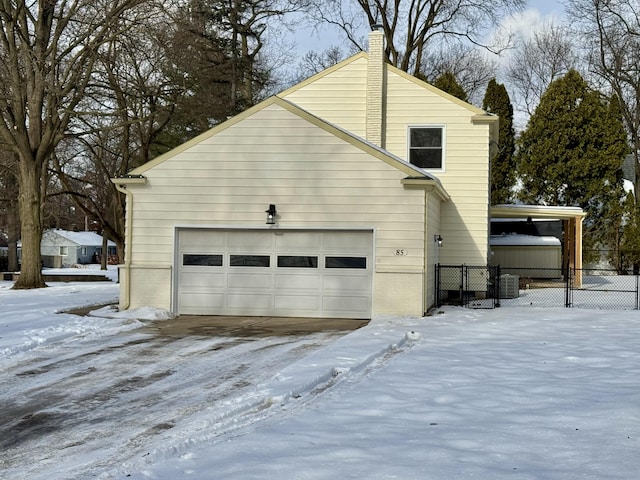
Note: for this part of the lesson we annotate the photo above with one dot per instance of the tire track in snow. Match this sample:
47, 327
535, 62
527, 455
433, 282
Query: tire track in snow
74, 410
254, 412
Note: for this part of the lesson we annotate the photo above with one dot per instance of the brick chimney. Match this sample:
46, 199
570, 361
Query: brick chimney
375, 88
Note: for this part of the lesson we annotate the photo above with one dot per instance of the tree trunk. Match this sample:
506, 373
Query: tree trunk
104, 259
13, 235
29, 204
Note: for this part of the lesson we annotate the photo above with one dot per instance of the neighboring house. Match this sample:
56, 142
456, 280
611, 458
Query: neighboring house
61, 248
365, 176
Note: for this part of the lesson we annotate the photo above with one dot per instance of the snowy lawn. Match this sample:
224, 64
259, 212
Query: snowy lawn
516, 392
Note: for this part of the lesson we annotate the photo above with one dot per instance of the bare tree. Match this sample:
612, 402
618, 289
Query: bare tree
612, 29
9, 218
315, 62
536, 62
48, 50
469, 66
123, 123
408, 26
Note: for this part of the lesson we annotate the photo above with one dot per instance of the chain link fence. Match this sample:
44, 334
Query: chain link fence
490, 287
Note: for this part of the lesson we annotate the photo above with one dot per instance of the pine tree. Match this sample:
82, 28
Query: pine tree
630, 239
503, 175
447, 82
571, 154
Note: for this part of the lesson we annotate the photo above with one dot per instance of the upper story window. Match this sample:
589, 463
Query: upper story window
426, 147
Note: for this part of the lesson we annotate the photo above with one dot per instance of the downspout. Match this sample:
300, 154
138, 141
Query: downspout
120, 184
124, 303
427, 252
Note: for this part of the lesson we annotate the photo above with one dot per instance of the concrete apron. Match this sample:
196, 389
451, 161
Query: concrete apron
237, 326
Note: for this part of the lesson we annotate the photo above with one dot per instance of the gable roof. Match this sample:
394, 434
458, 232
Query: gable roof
410, 170
84, 239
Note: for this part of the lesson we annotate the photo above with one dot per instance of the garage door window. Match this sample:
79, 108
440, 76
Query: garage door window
297, 261
189, 259
359, 263
250, 260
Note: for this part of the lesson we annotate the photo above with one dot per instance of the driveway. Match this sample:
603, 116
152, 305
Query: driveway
97, 402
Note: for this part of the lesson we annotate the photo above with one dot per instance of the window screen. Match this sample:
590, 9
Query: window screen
425, 147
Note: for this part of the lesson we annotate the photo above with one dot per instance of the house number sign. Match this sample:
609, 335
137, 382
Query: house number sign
401, 252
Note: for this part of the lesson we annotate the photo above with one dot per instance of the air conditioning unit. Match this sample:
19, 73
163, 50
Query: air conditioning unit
509, 286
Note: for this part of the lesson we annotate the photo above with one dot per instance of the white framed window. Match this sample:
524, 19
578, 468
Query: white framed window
426, 146
64, 251
83, 251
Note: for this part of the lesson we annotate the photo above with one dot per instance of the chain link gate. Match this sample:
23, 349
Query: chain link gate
468, 286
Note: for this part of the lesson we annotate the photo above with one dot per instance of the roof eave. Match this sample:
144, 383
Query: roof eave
129, 180
427, 184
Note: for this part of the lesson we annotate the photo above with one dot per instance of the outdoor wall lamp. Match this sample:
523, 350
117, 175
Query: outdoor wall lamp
271, 214
438, 239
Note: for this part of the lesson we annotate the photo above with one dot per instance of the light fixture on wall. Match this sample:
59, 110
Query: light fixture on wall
438, 239
271, 214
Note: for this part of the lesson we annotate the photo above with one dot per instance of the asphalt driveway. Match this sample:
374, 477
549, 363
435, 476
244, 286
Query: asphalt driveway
112, 398
253, 326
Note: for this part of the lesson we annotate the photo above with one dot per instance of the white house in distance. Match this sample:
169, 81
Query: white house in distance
62, 248
335, 198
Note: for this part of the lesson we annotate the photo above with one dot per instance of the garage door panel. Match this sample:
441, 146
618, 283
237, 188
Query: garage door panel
193, 241
310, 273
298, 282
197, 280
300, 303
345, 283
239, 240
348, 242
348, 304
298, 242
250, 301
250, 280
195, 302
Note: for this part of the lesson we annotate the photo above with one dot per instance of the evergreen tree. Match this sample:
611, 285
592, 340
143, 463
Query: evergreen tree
447, 82
571, 154
630, 239
503, 175
629, 251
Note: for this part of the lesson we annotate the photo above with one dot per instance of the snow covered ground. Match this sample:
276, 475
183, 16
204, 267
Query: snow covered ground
515, 392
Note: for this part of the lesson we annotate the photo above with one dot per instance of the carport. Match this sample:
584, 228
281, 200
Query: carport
571, 218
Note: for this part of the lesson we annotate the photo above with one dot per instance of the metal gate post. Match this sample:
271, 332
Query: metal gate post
568, 291
437, 285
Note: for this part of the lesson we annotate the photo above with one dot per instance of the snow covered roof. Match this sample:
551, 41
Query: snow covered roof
517, 239
85, 239
536, 211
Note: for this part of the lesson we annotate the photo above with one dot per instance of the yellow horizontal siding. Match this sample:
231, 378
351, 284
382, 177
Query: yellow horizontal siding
327, 184
338, 98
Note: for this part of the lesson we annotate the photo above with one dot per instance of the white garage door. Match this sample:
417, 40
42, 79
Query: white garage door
275, 272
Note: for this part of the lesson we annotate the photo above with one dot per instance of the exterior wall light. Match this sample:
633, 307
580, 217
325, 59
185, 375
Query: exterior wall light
438, 239
271, 214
